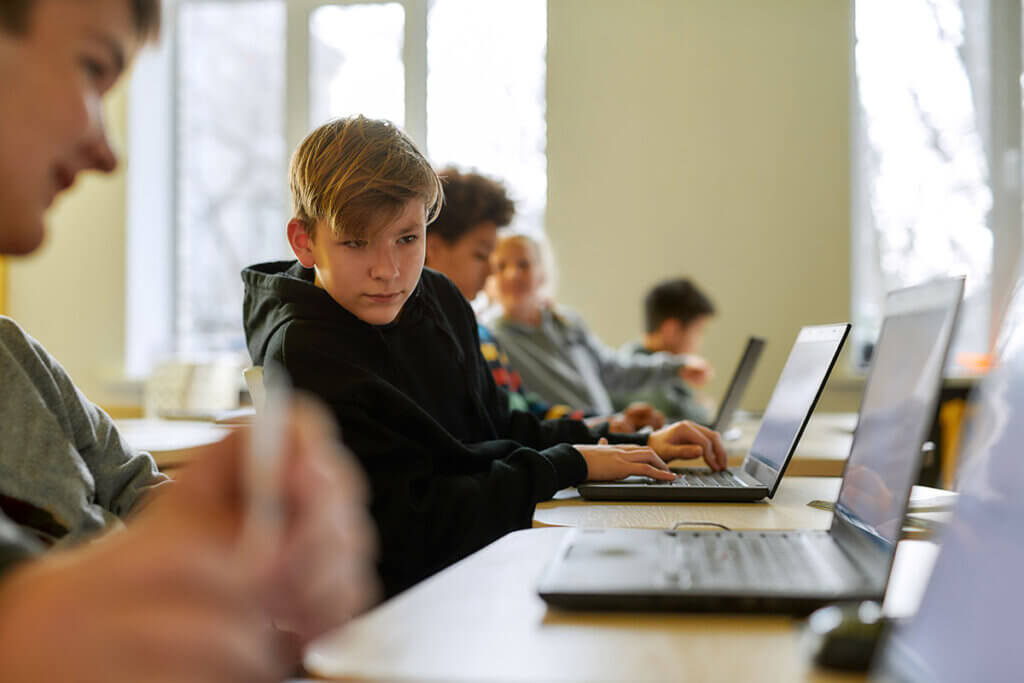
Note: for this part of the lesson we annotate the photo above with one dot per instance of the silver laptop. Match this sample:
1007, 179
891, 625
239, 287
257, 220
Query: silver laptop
789, 571
807, 369
967, 624
738, 385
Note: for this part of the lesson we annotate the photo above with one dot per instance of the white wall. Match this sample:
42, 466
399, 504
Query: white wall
709, 139
699, 137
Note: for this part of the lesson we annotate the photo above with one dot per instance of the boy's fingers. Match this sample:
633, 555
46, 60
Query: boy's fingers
649, 457
682, 451
655, 473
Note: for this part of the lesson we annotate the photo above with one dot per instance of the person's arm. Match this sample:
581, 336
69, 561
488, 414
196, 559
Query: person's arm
52, 418
508, 379
436, 500
529, 428
621, 373
15, 546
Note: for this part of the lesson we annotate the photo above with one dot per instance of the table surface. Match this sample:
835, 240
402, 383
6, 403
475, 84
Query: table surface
172, 443
787, 510
481, 620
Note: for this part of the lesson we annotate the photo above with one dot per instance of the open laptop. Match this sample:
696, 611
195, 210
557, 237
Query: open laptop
789, 571
967, 626
738, 385
803, 377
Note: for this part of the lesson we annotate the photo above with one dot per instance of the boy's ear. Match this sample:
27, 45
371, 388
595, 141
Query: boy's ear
434, 245
301, 243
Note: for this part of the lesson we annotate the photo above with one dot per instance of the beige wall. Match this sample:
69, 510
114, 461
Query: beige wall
700, 137
709, 139
70, 294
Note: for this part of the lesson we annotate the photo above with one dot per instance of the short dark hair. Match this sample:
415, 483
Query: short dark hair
679, 299
469, 200
15, 16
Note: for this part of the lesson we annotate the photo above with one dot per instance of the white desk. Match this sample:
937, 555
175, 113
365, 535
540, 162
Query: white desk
481, 620
172, 443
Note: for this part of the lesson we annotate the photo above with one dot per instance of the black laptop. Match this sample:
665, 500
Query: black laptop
807, 369
789, 571
738, 385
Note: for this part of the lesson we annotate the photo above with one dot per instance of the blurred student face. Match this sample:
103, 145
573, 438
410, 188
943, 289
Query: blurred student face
52, 79
688, 338
373, 277
518, 277
467, 262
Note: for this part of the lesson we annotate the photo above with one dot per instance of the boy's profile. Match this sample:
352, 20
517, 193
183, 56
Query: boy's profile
676, 316
167, 598
393, 349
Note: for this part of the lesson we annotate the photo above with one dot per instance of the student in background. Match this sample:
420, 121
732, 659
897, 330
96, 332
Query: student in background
676, 314
169, 597
393, 348
459, 244
552, 348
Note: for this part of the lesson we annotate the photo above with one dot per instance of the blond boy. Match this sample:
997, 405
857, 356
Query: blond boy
393, 349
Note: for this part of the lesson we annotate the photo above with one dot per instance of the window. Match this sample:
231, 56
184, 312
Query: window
240, 82
936, 152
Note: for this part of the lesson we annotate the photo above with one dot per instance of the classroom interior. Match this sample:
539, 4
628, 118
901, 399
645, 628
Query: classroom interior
717, 136
700, 138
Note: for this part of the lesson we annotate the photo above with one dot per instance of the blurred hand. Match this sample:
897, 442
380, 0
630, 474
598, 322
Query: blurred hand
641, 415
324, 572
163, 600
172, 598
686, 440
697, 371
607, 463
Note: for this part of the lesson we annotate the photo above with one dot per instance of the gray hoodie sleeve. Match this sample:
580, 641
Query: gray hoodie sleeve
59, 451
621, 373
15, 545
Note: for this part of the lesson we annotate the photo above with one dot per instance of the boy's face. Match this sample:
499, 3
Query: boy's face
371, 278
679, 338
51, 124
518, 275
467, 262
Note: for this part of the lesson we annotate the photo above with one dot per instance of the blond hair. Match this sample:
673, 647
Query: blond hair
352, 172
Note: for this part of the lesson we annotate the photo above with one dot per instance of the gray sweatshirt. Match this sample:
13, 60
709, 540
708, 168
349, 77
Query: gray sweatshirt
563, 362
65, 473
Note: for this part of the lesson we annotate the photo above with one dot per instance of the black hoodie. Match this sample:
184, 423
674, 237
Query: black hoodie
451, 468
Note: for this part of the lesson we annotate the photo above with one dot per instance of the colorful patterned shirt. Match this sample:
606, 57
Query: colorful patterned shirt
507, 378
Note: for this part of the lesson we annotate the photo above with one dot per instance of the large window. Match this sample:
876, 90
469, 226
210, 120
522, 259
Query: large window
937, 156
240, 82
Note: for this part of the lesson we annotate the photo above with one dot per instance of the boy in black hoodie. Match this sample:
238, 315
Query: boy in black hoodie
393, 350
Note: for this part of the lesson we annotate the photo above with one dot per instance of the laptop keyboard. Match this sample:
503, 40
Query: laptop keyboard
704, 479
764, 561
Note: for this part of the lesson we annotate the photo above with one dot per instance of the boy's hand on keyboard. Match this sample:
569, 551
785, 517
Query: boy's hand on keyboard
686, 440
608, 463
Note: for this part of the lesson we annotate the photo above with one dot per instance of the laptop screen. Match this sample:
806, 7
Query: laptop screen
796, 392
738, 385
967, 626
897, 406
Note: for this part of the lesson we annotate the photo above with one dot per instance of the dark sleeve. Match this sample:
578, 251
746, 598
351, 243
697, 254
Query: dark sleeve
434, 500
432, 511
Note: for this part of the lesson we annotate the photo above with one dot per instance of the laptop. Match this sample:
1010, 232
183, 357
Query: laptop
738, 385
789, 572
803, 377
967, 624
